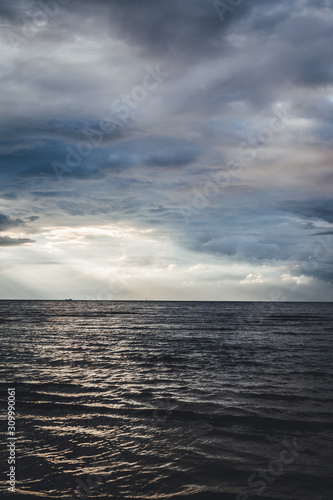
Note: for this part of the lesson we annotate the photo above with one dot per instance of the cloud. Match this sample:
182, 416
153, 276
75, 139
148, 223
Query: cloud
323, 233
245, 247
200, 158
32, 218
7, 222
253, 278
311, 209
5, 241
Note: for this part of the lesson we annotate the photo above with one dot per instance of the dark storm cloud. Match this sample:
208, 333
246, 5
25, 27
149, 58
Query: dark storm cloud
32, 218
191, 30
169, 158
8, 223
12, 242
52, 194
244, 247
30, 165
324, 233
173, 28
311, 209
14, 12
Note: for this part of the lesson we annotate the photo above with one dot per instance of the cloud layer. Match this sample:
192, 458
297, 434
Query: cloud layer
210, 132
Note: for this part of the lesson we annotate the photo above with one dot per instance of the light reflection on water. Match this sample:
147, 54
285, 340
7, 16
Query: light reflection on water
161, 398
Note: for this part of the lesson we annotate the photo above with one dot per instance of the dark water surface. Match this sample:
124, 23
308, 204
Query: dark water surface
224, 400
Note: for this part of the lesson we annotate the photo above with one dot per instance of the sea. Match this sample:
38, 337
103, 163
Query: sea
168, 400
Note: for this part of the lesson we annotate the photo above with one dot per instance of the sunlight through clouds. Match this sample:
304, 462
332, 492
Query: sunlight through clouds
192, 160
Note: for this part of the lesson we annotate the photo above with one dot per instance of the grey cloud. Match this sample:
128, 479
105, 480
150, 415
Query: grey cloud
11, 242
7, 222
267, 22
32, 218
174, 28
312, 209
323, 233
52, 194
177, 159
245, 247
15, 11
225, 81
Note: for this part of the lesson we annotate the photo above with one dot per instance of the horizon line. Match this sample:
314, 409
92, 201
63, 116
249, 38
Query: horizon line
170, 300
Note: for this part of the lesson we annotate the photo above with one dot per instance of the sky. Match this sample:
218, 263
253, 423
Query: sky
166, 150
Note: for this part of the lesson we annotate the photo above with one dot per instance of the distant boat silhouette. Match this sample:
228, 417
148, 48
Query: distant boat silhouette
67, 299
